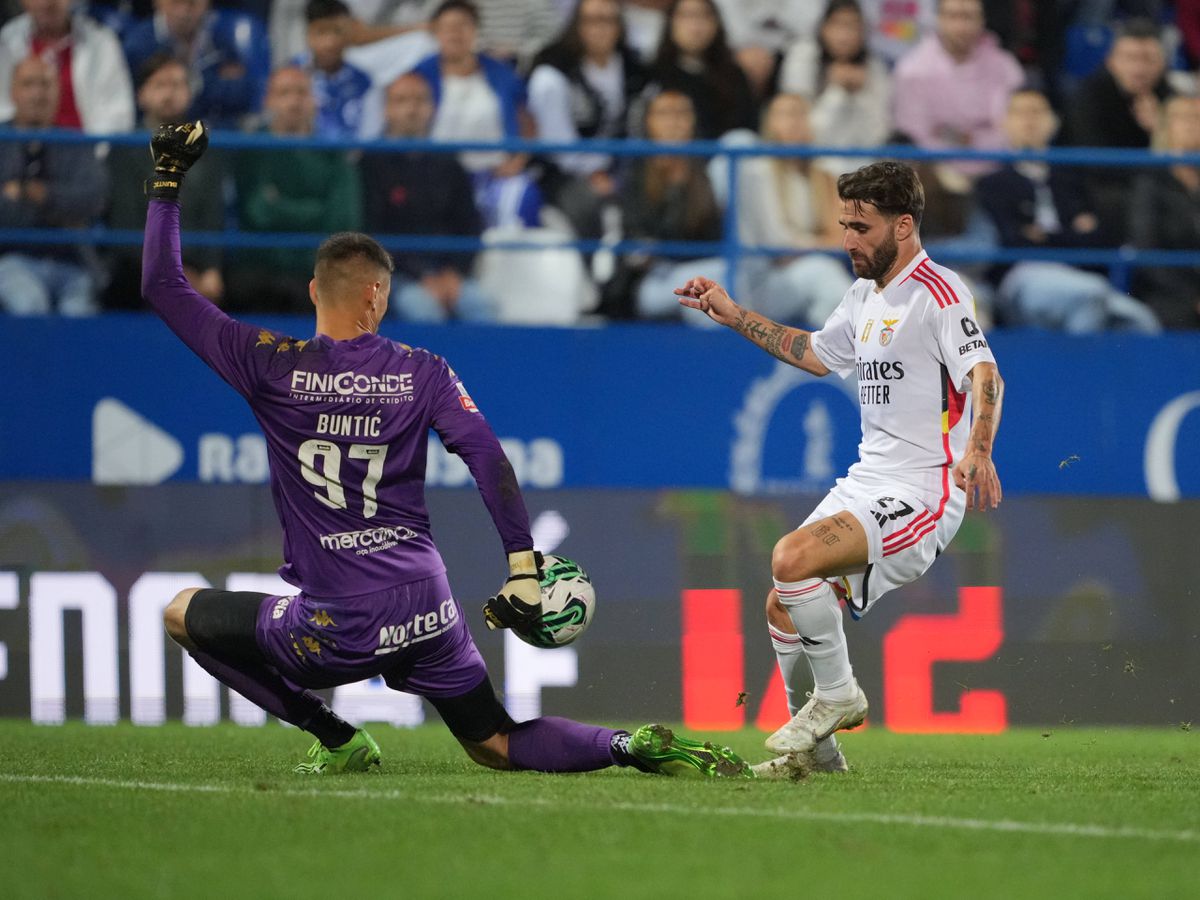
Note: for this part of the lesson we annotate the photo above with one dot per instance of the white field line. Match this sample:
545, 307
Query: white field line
951, 823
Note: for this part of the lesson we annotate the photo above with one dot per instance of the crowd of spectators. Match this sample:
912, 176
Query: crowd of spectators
835, 74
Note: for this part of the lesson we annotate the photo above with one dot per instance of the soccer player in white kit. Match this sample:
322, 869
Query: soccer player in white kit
906, 328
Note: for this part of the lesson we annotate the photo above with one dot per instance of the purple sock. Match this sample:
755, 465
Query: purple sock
551, 744
264, 687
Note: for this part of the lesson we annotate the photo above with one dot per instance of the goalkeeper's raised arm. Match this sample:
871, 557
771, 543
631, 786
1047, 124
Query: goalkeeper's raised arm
208, 332
791, 345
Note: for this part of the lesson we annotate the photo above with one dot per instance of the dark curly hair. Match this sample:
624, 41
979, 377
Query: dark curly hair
891, 187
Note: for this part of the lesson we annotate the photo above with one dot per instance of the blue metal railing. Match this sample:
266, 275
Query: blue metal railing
1119, 261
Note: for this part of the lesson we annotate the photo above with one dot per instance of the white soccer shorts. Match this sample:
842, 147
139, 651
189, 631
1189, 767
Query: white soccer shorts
906, 530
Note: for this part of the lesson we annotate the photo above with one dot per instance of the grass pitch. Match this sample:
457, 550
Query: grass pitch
214, 812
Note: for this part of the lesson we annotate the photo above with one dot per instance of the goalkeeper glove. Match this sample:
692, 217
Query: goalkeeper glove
175, 148
519, 602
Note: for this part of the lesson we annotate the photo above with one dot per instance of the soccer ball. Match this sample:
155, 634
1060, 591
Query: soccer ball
568, 604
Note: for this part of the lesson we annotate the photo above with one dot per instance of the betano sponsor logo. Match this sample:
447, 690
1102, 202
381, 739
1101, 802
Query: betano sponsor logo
369, 540
350, 384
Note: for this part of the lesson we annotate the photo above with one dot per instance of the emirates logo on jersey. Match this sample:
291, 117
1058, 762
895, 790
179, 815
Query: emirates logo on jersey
885, 333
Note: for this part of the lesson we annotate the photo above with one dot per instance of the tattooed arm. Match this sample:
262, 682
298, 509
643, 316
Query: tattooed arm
975, 473
791, 345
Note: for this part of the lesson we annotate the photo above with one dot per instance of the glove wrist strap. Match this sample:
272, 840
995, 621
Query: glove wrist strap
164, 185
522, 562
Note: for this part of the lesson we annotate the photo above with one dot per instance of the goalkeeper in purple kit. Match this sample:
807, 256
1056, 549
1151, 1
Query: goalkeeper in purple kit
346, 414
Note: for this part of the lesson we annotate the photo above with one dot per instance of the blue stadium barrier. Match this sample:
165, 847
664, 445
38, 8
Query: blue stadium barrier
1119, 261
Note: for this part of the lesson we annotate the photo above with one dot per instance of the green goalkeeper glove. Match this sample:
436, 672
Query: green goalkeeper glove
175, 148
519, 602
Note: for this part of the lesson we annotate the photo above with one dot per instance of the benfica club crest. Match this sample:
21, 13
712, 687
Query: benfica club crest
885, 334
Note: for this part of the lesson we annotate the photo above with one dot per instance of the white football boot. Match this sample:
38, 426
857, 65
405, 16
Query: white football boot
826, 757
797, 767
817, 720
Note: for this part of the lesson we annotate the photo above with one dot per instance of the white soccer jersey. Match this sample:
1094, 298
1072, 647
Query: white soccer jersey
912, 346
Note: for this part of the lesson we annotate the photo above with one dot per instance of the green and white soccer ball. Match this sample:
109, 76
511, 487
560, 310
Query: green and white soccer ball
568, 604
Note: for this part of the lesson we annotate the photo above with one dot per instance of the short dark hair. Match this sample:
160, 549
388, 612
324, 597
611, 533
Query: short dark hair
315, 10
348, 245
891, 187
463, 6
1139, 29
156, 63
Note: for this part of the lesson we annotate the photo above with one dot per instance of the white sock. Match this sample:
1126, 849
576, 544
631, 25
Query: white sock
789, 652
826, 749
813, 609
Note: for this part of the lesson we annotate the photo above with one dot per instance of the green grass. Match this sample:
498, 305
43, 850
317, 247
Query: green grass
179, 812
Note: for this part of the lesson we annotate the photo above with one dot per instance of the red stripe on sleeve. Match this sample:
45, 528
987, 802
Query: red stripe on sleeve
932, 287
929, 270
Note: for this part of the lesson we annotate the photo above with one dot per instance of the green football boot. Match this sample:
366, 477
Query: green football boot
356, 755
661, 751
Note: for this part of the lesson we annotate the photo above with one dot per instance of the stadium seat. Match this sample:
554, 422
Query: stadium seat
545, 287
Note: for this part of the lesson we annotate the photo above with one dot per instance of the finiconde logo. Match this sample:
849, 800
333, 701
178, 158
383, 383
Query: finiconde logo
350, 384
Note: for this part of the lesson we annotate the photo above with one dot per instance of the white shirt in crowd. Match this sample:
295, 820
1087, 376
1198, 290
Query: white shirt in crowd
469, 110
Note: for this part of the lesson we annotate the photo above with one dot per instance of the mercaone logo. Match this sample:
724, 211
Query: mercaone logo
369, 539
350, 384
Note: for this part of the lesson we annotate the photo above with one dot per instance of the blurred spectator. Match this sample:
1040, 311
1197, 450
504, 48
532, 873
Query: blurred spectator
386, 59
791, 202
759, 31
1165, 215
665, 198
285, 189
952, 89
94, 91
339, 87
848, 87
1187, 19
164, 95
514, 30
896, 26
694, 59
226, 52
371, 21
427, 194
1100, 13
476, 98
45, 186
644, 21
1035, 205
1119, 106
582, 86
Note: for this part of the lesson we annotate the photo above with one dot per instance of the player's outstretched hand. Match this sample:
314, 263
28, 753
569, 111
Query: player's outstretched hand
710, 298
175, 149
976, 474
519, 602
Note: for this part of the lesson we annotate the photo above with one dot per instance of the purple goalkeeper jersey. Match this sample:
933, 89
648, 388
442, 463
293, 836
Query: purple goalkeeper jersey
347, 425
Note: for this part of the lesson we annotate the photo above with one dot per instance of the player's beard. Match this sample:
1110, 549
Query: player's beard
879, 263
